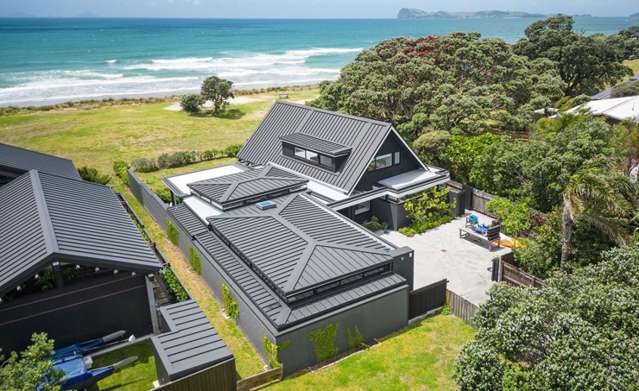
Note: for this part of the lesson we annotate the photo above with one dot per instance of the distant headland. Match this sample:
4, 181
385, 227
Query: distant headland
414, 13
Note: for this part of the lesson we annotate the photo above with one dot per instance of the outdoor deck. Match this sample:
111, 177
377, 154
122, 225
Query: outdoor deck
441, 253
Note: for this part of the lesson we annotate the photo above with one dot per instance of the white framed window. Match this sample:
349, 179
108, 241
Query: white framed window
312, 156
362, 208
383, 161
300, 153
327, 162
396, 158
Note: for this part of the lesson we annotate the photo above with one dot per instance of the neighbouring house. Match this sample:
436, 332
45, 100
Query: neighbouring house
275, 235
15, 161
607, 93
72, 262
614, 109
357, 166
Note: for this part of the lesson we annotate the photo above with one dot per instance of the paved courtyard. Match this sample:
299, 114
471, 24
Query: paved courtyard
441, 253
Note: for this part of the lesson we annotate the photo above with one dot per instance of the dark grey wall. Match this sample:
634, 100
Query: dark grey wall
76, 313
375, 318
390, 212
149, 200
407, 163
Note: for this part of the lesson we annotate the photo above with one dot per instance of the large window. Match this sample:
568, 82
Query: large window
384, 161
315, 158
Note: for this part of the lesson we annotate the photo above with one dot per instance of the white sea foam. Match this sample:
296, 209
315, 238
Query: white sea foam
163, 76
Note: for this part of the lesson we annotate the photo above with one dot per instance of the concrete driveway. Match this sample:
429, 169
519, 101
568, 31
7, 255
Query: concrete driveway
441, 253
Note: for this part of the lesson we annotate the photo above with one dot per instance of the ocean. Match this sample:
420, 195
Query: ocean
47, 61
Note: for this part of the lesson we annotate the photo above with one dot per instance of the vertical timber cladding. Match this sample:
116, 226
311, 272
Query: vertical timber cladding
83, 311
427, 298
374, 318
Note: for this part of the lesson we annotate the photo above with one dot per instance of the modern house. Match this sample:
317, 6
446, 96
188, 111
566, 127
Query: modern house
357, 166
614, 109
276, 230
72, 262
15, 161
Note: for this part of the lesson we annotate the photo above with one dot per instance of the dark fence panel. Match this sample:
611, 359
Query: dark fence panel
427, 298
221, 377
149, 200
83, 311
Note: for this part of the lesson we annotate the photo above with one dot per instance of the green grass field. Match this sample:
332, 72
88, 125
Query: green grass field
633, 64
138, 376
419, 358
98, 136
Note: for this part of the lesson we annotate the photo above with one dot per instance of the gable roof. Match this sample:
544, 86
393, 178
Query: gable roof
230, 189
22, 160
363, 136
191, 344
299, 244
47, 217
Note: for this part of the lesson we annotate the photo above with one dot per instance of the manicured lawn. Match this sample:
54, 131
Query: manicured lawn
154, 179
420, 358
97, 136
138, 376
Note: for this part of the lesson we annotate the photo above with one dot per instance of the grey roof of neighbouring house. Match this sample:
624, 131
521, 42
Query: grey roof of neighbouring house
22, 160
316, 144
191, 344
310, 220
363, 136
229, 189
46, 217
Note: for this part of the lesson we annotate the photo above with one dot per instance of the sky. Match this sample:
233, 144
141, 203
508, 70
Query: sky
300, 8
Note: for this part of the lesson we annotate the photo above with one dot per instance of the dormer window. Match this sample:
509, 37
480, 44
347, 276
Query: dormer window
316, 151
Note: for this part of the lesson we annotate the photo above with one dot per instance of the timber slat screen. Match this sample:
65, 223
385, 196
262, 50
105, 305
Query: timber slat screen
515, 276
427, 298
259, 379
460, 307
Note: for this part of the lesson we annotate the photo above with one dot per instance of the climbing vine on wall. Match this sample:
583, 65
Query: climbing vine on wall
230, 305
324, 340
172, 232
194, 260
272, 350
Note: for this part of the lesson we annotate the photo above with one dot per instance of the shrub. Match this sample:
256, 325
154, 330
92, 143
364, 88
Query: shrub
144, 165
164, 194
173, 233
211, 154
91, 174
428, 210
232, 150
177, 159
191, 103
230, 305
324, 340
354, 339
628, 88
373, 224
174, 284
515, 217
194, 260
120, 167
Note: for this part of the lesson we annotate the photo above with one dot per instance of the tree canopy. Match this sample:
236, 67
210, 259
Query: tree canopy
460, 83
579, 332
585, 63
217, 91
30, 368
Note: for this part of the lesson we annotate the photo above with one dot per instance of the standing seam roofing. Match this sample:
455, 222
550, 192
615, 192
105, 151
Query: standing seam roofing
363, 135
47, 216
24, 160
192, 344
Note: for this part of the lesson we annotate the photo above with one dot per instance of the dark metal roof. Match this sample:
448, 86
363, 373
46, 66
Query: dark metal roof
227, 190
192, 344
22, 160
605, 94
316, 144
47, 217
299, 244
187, 220
364, 136
273, 308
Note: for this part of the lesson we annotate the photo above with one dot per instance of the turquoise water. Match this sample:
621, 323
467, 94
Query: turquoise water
45, 61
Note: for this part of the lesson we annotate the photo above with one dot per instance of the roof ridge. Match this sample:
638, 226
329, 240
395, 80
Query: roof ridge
348, 247
337, 113
37, 152
43, 212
